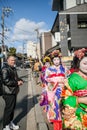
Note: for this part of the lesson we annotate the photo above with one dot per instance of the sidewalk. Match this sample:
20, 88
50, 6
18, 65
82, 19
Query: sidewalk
35, 119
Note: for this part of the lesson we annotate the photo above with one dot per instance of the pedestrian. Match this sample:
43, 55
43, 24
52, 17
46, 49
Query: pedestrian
46, 64
37, 69
11, 83
55, 76
74, 112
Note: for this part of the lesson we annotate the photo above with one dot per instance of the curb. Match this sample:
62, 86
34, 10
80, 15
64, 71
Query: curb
41, 125
35, 119
31, 119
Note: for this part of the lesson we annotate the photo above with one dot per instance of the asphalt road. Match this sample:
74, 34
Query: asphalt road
21, 107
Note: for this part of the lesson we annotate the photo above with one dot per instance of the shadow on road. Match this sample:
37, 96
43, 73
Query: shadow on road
23, 106
24, 76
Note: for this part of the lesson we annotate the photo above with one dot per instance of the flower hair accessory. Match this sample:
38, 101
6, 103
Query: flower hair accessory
56, 53
80, 53
46, 59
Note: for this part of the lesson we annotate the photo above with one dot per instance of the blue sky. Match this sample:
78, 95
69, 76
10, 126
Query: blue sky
26, 16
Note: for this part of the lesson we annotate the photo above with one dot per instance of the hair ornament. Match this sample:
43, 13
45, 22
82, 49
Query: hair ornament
56, 53
46, 59
80, 53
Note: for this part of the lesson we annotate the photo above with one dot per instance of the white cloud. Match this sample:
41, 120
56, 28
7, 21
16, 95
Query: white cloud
25, 30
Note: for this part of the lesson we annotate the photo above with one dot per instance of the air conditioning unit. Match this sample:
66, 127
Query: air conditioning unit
57, 36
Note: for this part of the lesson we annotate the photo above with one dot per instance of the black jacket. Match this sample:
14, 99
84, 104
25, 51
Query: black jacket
1, 90
10, 78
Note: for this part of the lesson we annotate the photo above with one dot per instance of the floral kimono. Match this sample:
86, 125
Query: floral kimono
74, 114
54, 83
42, 76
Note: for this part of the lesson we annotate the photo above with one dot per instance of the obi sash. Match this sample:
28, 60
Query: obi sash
80, 93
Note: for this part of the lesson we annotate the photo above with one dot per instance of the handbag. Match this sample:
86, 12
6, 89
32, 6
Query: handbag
43, 99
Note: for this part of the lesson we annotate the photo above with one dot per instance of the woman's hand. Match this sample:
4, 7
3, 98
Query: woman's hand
82, 100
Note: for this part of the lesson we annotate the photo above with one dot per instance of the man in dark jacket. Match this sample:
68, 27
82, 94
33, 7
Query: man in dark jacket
11, 84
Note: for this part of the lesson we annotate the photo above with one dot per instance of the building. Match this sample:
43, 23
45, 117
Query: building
31, 49
71, 23
47, 41
44, 42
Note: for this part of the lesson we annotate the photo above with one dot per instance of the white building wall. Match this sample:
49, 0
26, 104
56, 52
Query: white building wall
71, 3
31, 49
38, 50
54, 43
57, 36
55, 39
43, 44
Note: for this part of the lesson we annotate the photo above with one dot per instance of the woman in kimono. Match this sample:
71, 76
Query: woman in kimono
43, 97
46, 64
54, 77
74, 95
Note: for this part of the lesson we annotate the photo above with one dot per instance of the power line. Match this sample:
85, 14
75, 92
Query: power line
22, 30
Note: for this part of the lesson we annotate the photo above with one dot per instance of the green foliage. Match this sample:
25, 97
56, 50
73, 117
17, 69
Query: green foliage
19, 55
12, 51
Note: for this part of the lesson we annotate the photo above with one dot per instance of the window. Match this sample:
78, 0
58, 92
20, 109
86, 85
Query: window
78, 2
82, 21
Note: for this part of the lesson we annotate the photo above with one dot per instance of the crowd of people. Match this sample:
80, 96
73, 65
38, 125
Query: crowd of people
64, 91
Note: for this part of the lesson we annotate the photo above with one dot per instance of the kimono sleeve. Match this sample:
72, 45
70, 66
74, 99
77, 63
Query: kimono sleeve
69, 98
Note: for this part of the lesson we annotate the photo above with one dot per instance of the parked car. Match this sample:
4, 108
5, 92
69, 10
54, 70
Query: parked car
25, 65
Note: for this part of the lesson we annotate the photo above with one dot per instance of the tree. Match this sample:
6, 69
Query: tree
19, 55
12, 51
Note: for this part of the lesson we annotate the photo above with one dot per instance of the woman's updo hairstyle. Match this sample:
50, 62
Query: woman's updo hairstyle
78, 56
55, 53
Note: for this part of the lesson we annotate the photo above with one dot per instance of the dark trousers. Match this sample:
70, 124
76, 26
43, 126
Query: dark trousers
10, 103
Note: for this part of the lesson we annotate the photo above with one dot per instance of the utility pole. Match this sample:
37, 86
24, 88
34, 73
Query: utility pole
5, 12
38, 42
37, 31
23, 53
